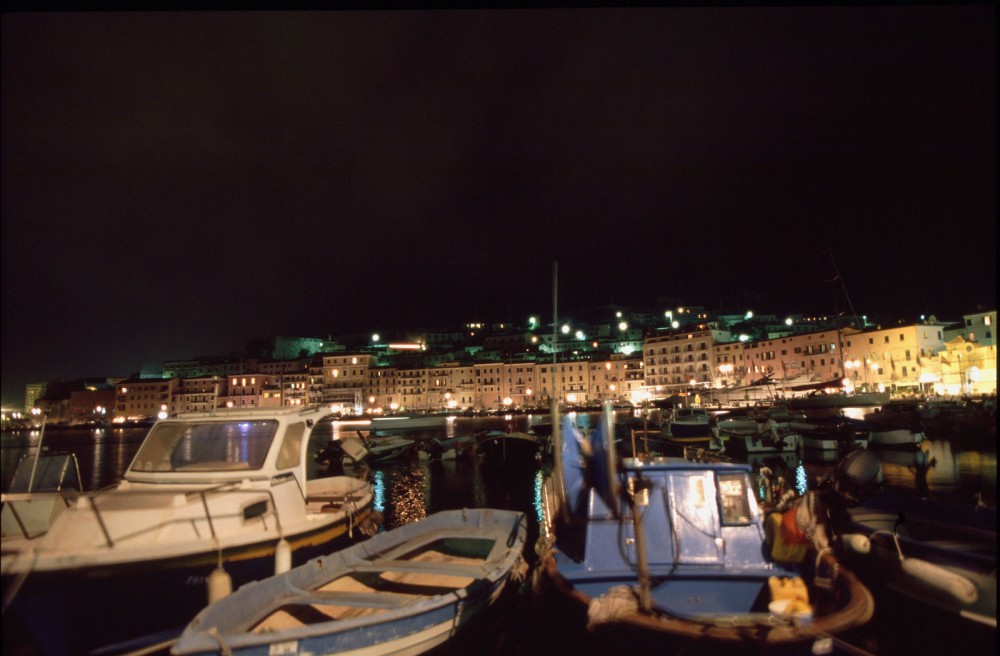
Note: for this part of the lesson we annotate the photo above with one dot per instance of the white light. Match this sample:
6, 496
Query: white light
162, 415
375, 337
788, 321
675, 324
749, 314
507, 400
580, 335
623, 326
744, 337
565, 329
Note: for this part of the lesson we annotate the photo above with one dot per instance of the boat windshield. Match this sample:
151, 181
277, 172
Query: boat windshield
205, 446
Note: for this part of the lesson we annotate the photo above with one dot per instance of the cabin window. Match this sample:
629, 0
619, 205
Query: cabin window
734, 500
290, 454
205, 446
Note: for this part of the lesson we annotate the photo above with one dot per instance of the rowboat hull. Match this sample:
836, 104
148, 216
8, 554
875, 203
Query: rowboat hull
403, 591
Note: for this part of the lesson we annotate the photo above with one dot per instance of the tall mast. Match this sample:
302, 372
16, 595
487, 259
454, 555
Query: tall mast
556, 438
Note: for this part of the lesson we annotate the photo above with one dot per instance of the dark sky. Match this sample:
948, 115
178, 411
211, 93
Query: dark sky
174, 184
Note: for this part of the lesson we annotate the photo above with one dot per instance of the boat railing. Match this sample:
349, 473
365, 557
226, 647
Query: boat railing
203, 495
43, 476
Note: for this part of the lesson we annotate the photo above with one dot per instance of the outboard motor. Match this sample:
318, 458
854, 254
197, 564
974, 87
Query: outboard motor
857, 476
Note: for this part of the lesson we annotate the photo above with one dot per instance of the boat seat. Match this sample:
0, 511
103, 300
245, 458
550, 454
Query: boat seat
415, 567
362, 599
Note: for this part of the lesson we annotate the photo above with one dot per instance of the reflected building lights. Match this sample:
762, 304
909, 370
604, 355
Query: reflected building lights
539, 483
801, 479
378, 490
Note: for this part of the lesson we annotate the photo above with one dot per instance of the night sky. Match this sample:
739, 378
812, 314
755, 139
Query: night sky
176, 184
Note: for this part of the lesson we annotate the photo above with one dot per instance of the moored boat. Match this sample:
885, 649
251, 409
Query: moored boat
937, 554
895, 438
453, 448
211, 499
409, 422
500, 447
688, 422
373, 450
402, 591
665, 551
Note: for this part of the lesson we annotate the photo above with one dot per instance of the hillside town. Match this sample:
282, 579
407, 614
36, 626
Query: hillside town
625, 357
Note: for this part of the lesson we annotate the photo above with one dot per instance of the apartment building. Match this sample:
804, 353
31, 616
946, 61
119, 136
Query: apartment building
677, 362
255, 390
140, 399
199, 393
342, 379
898, 358
796, 359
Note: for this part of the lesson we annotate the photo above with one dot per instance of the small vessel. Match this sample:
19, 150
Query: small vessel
375, 449
662, 551
402, 591
816, 400
454, 448
936, 553
689, 422
408, 422
742, 443
501, 447
839, 434
211, 499
895, 438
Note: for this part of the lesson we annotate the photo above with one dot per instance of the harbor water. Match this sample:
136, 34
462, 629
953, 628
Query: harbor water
944, 468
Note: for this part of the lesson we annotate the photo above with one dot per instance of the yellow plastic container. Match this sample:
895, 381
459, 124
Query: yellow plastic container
788, 588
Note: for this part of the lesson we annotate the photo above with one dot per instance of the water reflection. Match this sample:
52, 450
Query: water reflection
407, 492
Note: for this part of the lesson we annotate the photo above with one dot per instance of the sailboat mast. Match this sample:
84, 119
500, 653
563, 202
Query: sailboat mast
556, 439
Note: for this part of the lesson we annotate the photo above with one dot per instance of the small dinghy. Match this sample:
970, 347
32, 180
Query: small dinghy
403, 591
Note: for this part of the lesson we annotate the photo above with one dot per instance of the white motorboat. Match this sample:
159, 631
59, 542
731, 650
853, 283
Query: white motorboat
899, 438
211, 500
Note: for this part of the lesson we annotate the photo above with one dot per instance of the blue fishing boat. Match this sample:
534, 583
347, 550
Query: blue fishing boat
402, 591
665, 551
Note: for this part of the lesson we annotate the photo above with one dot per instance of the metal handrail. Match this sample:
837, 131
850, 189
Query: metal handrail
203, 495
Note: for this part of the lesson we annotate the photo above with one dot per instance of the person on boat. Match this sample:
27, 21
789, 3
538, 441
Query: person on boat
332, 455
811, 522
767, 429
715, 441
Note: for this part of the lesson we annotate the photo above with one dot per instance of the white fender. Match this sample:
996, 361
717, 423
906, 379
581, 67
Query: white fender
856, 544
220, 584
957, 586
282, 557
